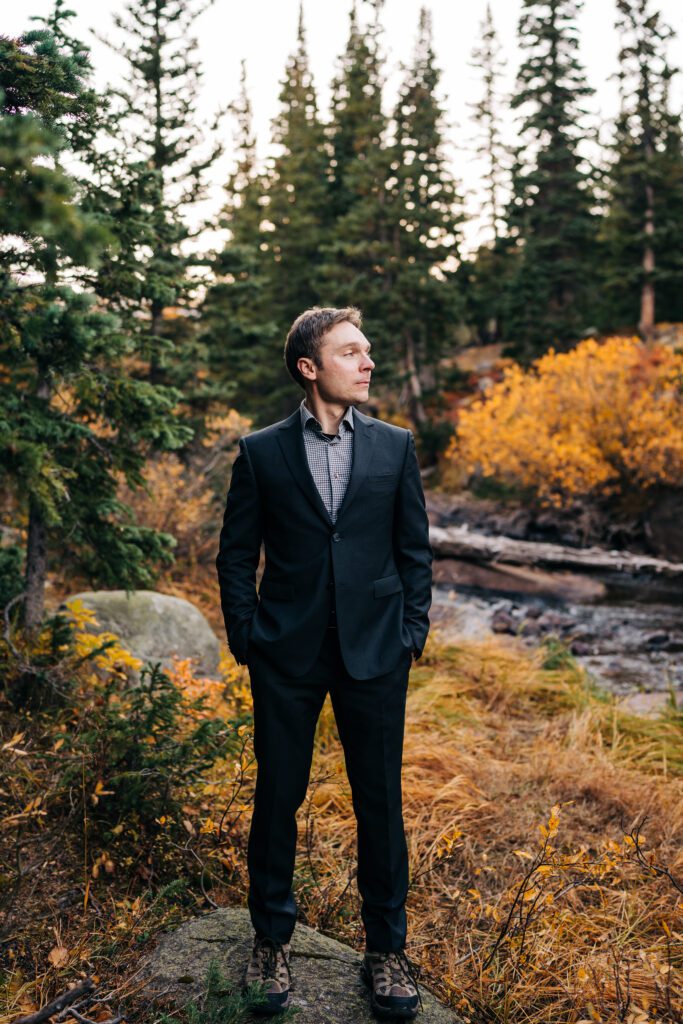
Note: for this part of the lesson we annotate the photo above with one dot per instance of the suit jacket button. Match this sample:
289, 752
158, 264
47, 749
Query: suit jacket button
336, 536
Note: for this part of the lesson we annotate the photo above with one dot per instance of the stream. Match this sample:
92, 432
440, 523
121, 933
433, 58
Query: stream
632, 648
626, 648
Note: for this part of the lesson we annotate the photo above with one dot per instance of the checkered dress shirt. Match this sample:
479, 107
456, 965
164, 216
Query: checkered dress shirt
329, 459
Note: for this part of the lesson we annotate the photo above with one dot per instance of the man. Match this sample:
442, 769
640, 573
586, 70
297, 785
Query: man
337, 499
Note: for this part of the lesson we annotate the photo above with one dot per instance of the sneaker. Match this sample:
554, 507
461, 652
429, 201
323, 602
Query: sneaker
391, 978
269, 965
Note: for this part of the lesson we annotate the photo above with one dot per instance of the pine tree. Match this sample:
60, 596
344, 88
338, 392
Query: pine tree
550, 297
166, 156
298, 207
486, 58
642, 229
239, 329
425, 208
670, 222
358, 125
71, 420
490, 263
356, 259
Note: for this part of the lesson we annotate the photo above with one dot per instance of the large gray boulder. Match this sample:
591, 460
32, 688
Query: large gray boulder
155, 626
327, 987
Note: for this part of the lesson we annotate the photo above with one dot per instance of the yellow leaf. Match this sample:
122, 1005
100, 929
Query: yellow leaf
18, 736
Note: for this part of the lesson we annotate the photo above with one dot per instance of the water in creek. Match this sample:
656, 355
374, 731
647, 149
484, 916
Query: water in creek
629, 648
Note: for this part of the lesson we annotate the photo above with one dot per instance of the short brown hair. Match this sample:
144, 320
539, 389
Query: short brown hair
305, 336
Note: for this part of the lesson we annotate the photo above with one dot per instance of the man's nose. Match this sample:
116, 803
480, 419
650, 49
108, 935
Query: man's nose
368, 363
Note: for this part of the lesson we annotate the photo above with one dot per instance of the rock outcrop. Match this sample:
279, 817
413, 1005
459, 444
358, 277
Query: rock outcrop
327, 985
155, 626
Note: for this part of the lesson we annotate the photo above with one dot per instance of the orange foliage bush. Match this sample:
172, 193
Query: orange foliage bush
600, 420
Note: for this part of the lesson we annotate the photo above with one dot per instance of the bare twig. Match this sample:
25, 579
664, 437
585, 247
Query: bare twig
237, 788
188, 848
71, 1012
520, 889
66, 998
649, 864
8, 625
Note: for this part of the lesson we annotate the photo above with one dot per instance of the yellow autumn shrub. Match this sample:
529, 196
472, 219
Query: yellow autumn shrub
597, 421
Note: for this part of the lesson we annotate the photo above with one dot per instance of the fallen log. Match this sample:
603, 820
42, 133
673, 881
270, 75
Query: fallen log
518, 580
623, 573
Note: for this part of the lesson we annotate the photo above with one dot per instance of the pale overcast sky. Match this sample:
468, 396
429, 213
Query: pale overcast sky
264, 32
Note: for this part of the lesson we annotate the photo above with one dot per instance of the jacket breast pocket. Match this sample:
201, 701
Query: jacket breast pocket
383, 482
276, 591
387, 585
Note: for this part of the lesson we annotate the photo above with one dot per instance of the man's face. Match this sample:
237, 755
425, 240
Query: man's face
344, 376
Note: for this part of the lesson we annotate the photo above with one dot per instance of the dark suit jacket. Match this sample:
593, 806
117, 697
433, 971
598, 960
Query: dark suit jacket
377, 555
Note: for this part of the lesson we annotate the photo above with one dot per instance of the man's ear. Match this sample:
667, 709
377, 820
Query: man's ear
309, 365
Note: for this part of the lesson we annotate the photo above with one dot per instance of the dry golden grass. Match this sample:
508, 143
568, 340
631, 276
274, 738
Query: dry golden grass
497, 750
536, 895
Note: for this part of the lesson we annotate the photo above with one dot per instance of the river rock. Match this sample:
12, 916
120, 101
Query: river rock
327, 985
658, 640
155, 626
551, 619
503, 622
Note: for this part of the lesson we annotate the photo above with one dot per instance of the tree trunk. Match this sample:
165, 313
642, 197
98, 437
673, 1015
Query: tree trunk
36, 546
647, 297
417, 411
36, 567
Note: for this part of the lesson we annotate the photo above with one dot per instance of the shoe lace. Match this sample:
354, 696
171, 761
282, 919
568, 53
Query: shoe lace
271, 949
401, 966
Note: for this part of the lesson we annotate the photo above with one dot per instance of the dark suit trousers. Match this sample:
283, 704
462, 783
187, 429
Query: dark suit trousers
370, 717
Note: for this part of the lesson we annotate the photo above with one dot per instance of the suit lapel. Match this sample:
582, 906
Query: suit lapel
291, 441
364, 435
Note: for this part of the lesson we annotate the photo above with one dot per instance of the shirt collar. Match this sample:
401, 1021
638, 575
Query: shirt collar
307, 415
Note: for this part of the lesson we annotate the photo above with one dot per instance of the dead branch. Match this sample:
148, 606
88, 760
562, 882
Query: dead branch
66, 998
